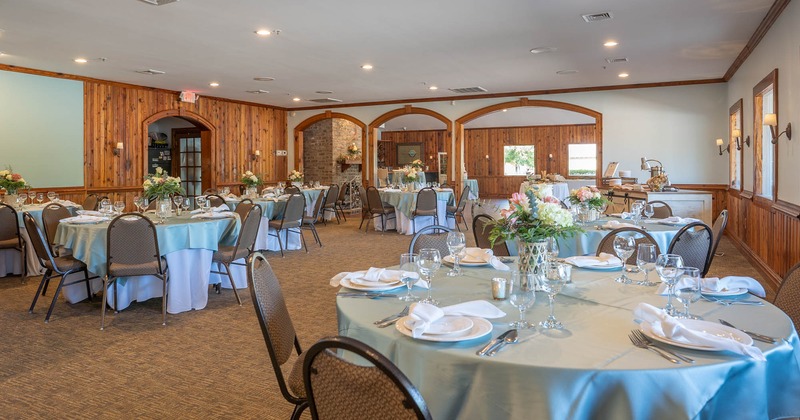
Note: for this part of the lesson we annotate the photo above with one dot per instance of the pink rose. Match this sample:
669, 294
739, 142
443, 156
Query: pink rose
551, 199
16, 177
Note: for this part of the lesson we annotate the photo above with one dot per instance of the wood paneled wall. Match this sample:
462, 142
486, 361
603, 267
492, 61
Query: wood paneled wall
480, 142
434, 141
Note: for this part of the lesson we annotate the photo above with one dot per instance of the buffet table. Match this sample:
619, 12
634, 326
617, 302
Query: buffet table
404, 203
591, 370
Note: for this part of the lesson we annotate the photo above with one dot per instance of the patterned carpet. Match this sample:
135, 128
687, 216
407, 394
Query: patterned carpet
210, 363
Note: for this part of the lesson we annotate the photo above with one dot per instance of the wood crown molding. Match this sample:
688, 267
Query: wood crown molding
772, 15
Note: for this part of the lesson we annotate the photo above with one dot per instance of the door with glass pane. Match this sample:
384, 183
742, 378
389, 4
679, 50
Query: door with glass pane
187, 147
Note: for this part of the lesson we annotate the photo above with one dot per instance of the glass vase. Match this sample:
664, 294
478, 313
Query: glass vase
163, 208
531, 255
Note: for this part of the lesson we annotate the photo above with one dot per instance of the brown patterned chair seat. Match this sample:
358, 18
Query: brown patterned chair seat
140, 269
225, 253
64, 264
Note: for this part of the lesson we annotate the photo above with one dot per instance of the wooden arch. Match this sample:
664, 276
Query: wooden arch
406, 110
308, 122
524, 102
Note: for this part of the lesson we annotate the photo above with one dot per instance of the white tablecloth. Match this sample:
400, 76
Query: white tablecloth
560, 189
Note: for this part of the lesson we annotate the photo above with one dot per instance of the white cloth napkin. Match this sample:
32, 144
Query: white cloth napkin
715, 284
422, 315
219, 209
214, 215
391, 190
66, 203
83, 218
90, 213
375, 276
603, 260
480, 255
657, 322
676, 220
613, 224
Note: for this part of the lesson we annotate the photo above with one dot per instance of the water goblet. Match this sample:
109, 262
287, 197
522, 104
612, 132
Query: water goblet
636, 211
206, 205
552, 277
178, 201
137, 201
408, 275
51, 195
456, 242
145, 204
56, 197
39, 197
31, 196
428, 262
105, 206
119, 206
552, 248
687, 290
200, 201
649, 210
522, 295
669, 267
22, 198
187, 203
624, 247
646, 261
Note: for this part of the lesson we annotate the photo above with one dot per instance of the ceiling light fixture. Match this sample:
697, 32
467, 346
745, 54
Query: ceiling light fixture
150, 72
432, 88
81, 60
324, 92
263, 32
565, 72
367, 67
258, 91
623, 75
611, 44
542, 50
296, 99
505, 110
264, 79
214, 84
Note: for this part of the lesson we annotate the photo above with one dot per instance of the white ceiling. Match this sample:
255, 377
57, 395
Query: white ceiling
412, 44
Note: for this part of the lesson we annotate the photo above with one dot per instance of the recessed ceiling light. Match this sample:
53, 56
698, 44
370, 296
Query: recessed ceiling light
214, 84
150, 72
263, 32
563, 72
505, 110
542, 50
264, 79
623, 75
367, 67
258, 91
432, 88
81, 60
611, 44
2, 53
324, 92
296, 99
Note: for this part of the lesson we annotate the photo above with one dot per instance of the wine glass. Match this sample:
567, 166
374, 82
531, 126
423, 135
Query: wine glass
636, 211
145, 204
178, 201
522, 295
646, 261
669, 267
624, 247
40, 197
200, 201
408, 275
137, 201
649, 210
105, 206
31, 195
687, 290
21, 199
187, 203
428, 262
51, 195
119, 206
456, 242
552, 277
552, 248
206, 205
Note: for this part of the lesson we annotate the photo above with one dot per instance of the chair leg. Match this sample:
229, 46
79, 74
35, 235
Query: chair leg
335, 213
105, 301
233, 285
55, 296
280, 245
302, 239
341, 209
316, 235
88, 286
164, 301
45, 278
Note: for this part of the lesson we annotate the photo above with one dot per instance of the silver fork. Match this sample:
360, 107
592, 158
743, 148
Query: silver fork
642, 345
383, 323
733, 302
649, 342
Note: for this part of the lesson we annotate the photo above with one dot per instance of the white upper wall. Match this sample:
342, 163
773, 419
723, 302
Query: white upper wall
779, 49
676, 125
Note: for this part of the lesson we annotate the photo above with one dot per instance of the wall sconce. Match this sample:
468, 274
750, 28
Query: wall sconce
720, 142
117, 150
772, 121
487, 157
256, 154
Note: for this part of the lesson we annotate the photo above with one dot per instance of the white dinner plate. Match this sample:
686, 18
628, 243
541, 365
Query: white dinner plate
722, 293
708, 327
449, 324
480, 328
85, 221
381, 287
448, 259
600, 267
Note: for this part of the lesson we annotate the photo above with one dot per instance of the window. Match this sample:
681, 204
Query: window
518, 160
582, 159
765, 99
736, 145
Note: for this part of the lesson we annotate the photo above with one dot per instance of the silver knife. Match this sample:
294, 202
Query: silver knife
493, 343
756, 336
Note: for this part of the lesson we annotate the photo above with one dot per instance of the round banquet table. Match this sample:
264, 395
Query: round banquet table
560, 189
404, 203
591, 370
188, 245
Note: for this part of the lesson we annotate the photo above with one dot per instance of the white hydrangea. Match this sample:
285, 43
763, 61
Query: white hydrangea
554, 215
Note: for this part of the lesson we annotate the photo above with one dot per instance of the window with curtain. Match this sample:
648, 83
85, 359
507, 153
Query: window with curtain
582, 159
765, 99
519, 160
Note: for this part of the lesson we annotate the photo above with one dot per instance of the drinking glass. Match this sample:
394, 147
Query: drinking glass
39, 197
21, 199
200, 201
456, 242
32, 196
51, 195
669, 267
178, 201
687, 290
428, 262
552, 248
636, 211
646, 261
105, 206
408, 275
187, 203
226, 191
137, 201
552, 277
145, 204
649, 211
119, 206
522, 295
206, 204
624, 247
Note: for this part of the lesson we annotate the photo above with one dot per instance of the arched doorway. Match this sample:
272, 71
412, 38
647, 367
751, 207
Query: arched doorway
596, 132
299, 141
182, 143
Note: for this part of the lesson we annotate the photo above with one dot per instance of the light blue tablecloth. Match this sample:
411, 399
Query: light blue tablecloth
473, 188
405, 202
590, 371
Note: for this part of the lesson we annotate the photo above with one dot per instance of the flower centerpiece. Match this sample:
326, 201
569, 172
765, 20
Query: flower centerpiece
162, 185
417, 164
11, 180
353, 151
296, 177
658, 182
530, 221
590, 202
410, 175
249, 179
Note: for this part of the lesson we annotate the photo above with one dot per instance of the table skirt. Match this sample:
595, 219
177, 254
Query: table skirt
405, 225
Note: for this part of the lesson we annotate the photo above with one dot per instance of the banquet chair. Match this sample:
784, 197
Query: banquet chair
54, 266
51, 217
426, 206
377, 208
10, 237
91, 202
661, 210
330, 203
229, 254
693, 242
277, 329
309, 222
788, 296
132, 245
563, 204
718, 229
481, 231
365, 214
340, 200
339, 389
641, 237
291, 221
456, 211
243, 208
291, 189
214, 200
209, 191
429, 238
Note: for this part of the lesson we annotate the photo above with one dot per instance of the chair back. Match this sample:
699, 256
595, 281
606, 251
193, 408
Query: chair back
339, 389
426, 202
215, 200
331, 196
427, 238
43, 252
132, 245
293, 213
291, 190
640, 236
250, 224
788, 296
273, 316
462, 201
718, 229
91, 202
209, 191
661, 210
481, 230
374, 199
693, 243
243, 208
317, 210
362, 194
51, 217
9, 224
342, 193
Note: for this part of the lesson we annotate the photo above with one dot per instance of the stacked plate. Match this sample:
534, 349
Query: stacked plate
449, 329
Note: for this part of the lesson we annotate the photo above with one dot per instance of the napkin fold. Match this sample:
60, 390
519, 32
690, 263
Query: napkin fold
83, 218
676, 220
602, 260
481, 255
214, 215
715, 284
219, 209
90, 213
657, 322
375, 276
613, 224
422, 315
66, 203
